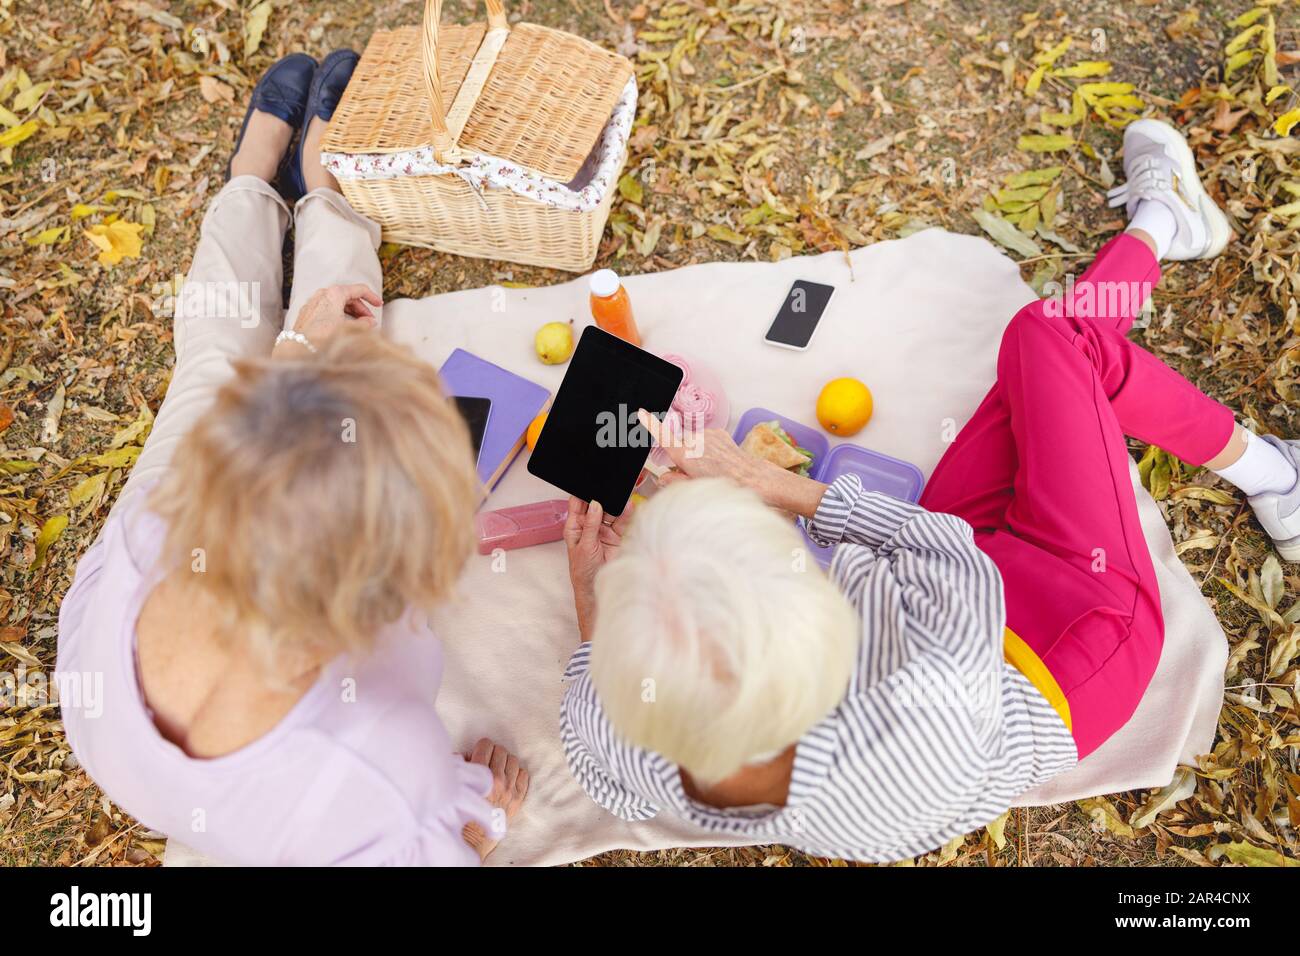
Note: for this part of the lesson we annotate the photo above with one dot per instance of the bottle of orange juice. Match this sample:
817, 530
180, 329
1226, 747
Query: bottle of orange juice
611, 308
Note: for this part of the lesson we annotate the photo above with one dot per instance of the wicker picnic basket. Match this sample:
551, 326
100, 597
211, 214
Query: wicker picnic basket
457, 138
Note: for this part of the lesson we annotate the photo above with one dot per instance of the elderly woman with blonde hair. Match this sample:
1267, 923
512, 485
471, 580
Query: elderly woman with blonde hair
256, 603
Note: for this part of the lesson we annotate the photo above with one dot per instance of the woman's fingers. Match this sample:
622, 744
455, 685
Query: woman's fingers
358, 309
671, 478
365, 319
573, 523
358, 290
498, 761
355, 301
672, 449
652, 425
591, 524
620, 523
509, 779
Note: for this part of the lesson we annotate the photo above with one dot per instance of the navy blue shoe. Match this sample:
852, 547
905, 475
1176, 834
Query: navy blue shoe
283, 91
326, 90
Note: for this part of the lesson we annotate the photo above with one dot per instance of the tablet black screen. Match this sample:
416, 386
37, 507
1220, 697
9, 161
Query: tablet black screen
592, 445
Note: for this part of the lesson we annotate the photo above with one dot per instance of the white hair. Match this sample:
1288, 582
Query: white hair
718, 640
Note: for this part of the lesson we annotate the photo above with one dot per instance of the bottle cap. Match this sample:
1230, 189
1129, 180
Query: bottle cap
604, 282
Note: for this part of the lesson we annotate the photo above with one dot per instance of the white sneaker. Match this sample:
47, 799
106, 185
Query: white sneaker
1159, 166
1280, 513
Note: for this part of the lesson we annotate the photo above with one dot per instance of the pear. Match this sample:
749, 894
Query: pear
554, 342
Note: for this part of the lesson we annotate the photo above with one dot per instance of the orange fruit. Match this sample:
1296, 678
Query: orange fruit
534, 429
844, 406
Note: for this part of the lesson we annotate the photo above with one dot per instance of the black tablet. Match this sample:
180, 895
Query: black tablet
592, 445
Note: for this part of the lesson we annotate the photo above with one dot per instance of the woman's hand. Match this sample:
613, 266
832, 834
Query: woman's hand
590, 543
328, 311
509, 787
710, 453
713, 453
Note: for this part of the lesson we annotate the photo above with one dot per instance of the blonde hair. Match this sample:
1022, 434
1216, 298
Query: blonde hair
321, 496
718, 640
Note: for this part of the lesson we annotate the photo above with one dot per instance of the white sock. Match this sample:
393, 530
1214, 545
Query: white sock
1260, 468
1157, 221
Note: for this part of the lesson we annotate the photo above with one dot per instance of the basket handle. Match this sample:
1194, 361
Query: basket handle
444, 140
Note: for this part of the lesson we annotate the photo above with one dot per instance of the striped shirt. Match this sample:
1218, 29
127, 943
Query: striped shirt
935, 736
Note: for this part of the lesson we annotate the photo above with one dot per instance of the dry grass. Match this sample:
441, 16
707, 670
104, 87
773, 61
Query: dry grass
860, 122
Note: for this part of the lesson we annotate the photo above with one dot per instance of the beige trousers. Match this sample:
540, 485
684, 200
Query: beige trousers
230, 306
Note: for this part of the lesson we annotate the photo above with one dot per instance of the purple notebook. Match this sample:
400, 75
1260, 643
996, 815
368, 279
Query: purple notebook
899, 479
515, 403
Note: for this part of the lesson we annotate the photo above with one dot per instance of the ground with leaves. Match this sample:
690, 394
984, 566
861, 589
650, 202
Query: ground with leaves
765, 129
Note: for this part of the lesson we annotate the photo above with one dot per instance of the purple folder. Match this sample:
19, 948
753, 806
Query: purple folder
515, 403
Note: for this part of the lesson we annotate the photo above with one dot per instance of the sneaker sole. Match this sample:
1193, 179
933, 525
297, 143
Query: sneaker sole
1288, 550
1217, 223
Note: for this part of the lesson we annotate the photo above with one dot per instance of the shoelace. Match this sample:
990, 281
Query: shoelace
1150, 176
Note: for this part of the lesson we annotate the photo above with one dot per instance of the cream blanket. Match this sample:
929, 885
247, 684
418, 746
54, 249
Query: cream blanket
919, 321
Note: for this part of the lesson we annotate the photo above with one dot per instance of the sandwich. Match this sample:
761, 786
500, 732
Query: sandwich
770, 442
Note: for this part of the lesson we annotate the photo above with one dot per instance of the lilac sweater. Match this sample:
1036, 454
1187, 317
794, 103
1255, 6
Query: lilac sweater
360, 771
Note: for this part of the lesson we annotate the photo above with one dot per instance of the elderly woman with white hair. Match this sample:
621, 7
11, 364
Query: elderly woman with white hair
962, 650
725, 679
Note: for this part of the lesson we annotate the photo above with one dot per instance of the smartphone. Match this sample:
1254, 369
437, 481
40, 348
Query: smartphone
795, 324
476, 412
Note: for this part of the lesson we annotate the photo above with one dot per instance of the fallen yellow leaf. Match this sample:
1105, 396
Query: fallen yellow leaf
12, 137
1050, 56
726, 234
1241, 39
1105, 816
30, 96
1286, 122
87, 488
1092, 91
1237, 61
49, 237
116, 241
1249, 17
255, 26
1275, 92
49, 533
1035, 81
1044, 144
1086, 68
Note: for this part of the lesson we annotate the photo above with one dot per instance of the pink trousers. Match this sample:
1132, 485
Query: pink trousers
1041, 471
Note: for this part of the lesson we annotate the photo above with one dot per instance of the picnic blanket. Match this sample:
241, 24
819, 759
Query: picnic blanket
918, 320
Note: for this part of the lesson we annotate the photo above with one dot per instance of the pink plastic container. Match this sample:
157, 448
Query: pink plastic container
521, 526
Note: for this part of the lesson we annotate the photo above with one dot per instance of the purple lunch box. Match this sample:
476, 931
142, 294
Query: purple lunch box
877, 472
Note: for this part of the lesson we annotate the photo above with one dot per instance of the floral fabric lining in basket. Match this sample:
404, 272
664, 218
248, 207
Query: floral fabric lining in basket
581, 194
